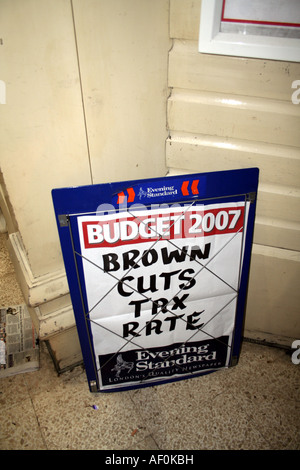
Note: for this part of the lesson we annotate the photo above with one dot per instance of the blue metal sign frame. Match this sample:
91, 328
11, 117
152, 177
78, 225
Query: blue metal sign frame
73, 202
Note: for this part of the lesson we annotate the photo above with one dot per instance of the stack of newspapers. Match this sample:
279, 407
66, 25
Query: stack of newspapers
19, 351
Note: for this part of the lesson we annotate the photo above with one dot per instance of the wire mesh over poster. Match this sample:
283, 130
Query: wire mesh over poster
158, 272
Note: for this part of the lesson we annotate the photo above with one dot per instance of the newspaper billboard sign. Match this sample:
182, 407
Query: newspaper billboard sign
158, 273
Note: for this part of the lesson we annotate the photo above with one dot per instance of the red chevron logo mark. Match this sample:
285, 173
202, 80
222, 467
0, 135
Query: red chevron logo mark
121, 197
194, 187
131, 196
184, 188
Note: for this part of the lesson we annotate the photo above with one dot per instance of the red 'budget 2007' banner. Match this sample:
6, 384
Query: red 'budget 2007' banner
142, 228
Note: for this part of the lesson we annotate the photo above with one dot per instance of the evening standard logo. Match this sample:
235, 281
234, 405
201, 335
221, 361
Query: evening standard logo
155, 360
157, 192
180, 359
143, 365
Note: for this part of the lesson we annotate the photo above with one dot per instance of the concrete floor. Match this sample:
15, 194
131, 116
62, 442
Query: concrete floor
254, 405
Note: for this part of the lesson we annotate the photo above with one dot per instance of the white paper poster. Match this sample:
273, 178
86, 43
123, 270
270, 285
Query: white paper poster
162, 287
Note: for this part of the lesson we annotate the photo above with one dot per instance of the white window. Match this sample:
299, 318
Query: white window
267, 29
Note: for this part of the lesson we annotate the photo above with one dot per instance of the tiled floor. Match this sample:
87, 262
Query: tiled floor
254, 405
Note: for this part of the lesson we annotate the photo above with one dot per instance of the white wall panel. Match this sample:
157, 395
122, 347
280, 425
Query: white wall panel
123, 53
42, 136
234, 116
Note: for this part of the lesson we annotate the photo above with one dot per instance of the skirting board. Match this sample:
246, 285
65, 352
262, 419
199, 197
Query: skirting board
65, 351
36, 290
268, 339
54, 317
